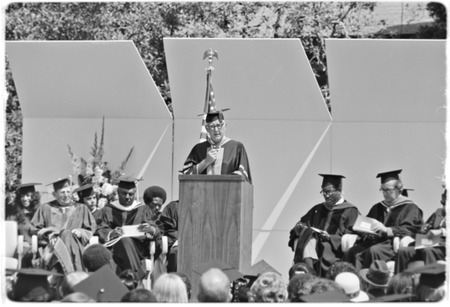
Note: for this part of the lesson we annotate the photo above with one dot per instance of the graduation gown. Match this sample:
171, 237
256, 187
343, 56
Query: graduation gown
65, 219
23, 217
169, 224
127, 252
337, 222
234, 158
405, 218
428, 255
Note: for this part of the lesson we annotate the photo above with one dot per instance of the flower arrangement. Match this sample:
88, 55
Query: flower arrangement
94, 169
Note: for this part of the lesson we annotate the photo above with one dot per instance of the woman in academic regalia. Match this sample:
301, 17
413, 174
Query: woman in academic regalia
26, 203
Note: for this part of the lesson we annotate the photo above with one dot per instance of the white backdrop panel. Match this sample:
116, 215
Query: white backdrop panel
256, 78
66, 87
417, 148
76, 79
46, 155
387, 80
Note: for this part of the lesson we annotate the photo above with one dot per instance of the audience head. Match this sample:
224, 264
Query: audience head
401, 283
214, 286
377, 276
340, 267
70, 280
155, 197
301, 268
431, 282
96, 256
170, 288
300, 285
351, 285
129, 279
269, 287
139, 295
31, 285
320, 285
391, 185
187, 282
77, 297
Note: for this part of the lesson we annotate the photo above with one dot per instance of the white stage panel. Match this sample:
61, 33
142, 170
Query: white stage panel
257, 78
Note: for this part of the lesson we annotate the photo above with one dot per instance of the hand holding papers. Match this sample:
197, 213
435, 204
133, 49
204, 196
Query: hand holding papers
133, 231
366, 225
428, 240
321, 232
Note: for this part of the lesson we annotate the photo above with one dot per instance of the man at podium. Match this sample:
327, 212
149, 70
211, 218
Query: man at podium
218, 155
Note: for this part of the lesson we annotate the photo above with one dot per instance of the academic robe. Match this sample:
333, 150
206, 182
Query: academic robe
428, 255
97, 214
234, 158
169, 223
336, 222
23, 217
405, 218
128, 252
65, 219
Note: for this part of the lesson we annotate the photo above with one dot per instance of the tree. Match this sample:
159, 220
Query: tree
439, 29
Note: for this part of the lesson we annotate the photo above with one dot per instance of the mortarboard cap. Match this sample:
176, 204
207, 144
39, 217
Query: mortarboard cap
431, 275
127, 183
405, 192
103, 286
391, 175
25, 188
85, 191
327, 296
31, 280
60, 183
230, 271
334, 180
215, 115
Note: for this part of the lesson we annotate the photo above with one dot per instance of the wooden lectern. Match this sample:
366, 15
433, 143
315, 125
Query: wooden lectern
215, 223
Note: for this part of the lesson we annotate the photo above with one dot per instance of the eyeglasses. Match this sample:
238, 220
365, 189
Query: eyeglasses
387, 190
212, 127
327, 193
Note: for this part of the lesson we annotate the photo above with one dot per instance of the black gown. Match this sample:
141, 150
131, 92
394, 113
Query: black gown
336, 222
404, 218
128, 252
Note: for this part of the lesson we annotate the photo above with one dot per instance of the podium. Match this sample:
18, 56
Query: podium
215, 223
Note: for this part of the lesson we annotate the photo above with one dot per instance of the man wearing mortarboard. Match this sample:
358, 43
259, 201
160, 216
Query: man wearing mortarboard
218, 154
63, 228
396, 215
436, 231
316, 238
128, 251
